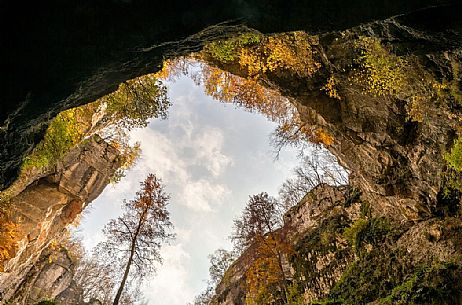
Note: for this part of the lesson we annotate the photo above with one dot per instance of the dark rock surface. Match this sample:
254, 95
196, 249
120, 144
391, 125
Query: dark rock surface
325, 264
59, 55
396, 163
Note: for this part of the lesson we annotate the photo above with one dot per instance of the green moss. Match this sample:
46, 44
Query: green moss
322, 241
372, 231
454, 157
62, 134
227, 51
371, 277
379, 71
428, 285
352, 234
453, 86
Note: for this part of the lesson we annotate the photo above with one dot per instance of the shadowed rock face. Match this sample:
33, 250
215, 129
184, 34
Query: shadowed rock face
50, 276
397, 162
64, 54
43, 210
78, 51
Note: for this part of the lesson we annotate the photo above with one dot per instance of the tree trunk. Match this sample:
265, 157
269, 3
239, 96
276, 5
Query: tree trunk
127, 270
129, 263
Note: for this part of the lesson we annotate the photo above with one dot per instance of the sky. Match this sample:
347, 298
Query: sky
210, 156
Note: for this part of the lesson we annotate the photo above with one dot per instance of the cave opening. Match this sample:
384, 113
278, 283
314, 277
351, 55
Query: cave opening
212, 154
384, 97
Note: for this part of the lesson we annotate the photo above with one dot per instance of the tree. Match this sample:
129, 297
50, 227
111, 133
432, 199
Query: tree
95, 280
265, 276
9, 237
261, 215
134, 102
220, 261
135, 238
320, 166
260, 235
205, 297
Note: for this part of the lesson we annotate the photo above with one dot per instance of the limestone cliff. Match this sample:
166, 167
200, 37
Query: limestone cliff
392, 144
43, 210
391, 237
396, 240
386, 263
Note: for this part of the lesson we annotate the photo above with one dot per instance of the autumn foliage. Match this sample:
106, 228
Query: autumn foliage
133, 240
293, 53
248, 93
9, 236
266, 280
259, 235
255, 55
379, 71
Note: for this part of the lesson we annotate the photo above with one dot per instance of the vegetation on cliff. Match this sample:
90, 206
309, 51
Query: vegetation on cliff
111, 117
422, 93
352, 255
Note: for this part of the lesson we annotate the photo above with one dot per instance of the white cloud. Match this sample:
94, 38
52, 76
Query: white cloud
159, 155
201, 195
188, 156
210, 159
210, 145
169, 285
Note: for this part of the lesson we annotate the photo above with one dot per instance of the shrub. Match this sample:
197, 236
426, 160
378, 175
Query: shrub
226, 51
330, 88
352, 233
428, 285
257, 54
321, 136
373, 231
9, 231
62, 134
454, 157
380, 72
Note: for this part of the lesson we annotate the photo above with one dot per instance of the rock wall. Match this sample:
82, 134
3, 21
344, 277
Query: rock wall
404, 236
85, 49
383, 257
325, 208
43, 210
395, 160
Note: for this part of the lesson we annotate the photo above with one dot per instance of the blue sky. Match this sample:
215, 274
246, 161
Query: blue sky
211, 156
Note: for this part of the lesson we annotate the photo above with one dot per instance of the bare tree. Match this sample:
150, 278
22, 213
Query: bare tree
220, 261
135, 238
95, 280
205, 297
319, 167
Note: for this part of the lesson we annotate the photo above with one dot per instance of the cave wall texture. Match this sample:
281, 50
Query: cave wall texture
405, 250
58, 55
63, 54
